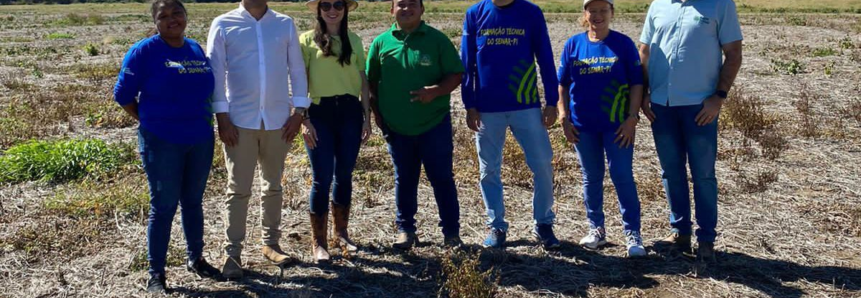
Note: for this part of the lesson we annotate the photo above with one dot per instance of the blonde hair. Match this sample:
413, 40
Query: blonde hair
584, 22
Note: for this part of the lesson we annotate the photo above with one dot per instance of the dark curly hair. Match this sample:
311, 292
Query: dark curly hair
156, 4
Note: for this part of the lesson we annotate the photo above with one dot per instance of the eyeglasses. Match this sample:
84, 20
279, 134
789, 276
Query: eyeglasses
338, 5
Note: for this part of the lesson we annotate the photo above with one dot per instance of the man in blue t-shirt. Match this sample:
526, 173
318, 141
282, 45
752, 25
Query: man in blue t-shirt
502, 39
683, 46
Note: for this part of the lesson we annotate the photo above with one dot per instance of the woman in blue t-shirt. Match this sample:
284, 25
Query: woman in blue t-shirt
166, 84
601, 83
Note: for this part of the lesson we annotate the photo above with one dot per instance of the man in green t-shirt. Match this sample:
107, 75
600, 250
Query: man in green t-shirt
412, 69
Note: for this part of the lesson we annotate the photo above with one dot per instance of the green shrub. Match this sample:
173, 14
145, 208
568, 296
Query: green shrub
846, 43
822, 52
464, 279
74, 19
91, 49
58, 35
61, 161
127, 196
793, 67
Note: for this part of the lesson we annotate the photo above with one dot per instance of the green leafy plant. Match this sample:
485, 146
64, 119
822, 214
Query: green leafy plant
464, 279
846, 43
59, 35
91, 49
127, 196
792, 67
823, 52
63, 160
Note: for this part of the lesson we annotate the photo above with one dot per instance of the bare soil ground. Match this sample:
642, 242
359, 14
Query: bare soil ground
788, 170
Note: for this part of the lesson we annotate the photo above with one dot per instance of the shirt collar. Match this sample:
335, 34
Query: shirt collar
245, 12
421, 29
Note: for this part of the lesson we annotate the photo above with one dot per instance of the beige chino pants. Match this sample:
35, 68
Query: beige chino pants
266, 148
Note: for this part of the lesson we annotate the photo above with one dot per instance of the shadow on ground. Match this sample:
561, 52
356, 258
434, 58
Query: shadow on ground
571, 270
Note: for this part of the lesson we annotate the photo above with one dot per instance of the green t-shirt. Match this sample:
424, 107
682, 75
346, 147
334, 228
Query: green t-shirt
400, 63
327, 77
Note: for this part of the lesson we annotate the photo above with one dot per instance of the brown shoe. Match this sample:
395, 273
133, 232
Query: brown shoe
341, 216
319, 245
706, 252
675, 241
274, 254
406, 240
232, 268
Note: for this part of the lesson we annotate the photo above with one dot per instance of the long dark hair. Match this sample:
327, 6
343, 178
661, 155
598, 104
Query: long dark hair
324, 41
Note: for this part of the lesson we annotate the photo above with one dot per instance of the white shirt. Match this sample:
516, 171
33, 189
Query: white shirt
251, 61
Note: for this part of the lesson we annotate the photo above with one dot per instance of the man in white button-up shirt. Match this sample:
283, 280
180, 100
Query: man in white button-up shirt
253, 50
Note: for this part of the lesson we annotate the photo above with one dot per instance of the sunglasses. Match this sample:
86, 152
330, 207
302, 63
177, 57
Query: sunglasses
326, 6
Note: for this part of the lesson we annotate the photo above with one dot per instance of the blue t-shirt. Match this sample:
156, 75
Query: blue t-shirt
173, 87
499, 49
599, 76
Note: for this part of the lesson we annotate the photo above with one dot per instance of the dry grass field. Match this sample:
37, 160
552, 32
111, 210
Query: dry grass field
73, 197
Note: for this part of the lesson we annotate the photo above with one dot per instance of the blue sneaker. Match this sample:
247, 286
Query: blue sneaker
495, 238
544, 233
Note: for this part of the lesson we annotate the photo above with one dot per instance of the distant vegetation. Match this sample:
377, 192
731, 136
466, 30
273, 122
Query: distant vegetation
560, 6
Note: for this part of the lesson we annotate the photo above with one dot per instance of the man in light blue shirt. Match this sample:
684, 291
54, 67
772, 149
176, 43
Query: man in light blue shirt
683, 46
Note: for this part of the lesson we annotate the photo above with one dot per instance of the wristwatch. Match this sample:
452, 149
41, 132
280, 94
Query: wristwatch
722, 94
302, 112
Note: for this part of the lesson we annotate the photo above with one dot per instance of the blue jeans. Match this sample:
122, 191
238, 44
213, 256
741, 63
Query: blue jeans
434, 150
680, 141
338, 121
591, 150
177, 175
529, 131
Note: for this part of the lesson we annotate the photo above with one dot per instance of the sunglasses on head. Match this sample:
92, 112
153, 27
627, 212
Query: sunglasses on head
338, 5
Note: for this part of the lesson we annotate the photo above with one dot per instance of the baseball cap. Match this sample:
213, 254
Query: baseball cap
586, 2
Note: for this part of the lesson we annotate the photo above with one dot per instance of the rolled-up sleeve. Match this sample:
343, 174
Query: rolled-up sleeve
129, 80
215, 51
296, 63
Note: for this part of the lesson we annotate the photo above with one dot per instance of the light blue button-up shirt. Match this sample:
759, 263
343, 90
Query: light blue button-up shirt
685, 39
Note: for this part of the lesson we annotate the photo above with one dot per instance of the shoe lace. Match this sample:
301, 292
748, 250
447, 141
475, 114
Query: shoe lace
596, 233
634, 239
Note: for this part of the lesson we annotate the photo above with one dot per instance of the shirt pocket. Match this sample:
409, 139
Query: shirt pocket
700, 25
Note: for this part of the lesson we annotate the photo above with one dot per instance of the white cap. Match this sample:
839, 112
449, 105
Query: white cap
586, 2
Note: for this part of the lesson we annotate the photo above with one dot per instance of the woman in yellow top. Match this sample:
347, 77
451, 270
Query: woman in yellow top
337, 123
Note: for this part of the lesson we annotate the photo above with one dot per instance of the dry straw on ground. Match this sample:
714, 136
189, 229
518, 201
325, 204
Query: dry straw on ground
790, 209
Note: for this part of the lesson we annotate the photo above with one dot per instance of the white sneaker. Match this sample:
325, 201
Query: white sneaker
595, 239
635, 244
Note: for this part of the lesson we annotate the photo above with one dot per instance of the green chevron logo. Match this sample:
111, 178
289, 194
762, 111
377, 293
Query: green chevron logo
617, 98
522, 84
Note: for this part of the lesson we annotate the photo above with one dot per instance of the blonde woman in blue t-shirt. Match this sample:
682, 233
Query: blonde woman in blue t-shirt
601, 83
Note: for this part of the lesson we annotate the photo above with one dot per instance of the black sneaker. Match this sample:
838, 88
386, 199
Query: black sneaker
203, 269
156, 284
544, 234
452, 241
